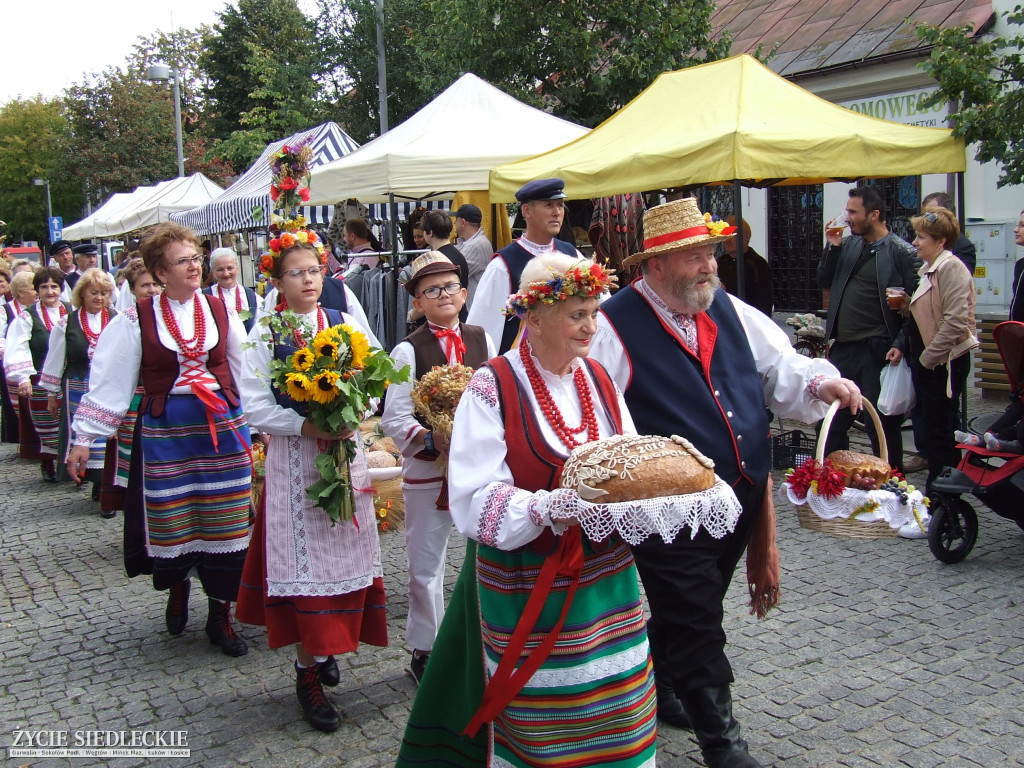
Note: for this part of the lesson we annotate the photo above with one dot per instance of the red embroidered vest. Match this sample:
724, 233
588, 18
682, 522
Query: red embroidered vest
160, 365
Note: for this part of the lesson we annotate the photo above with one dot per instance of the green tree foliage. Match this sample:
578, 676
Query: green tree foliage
347, 30
32, 137
263, 63
122, 133
584, 60
984, 77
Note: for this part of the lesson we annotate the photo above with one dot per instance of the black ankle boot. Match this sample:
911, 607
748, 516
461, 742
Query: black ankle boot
221, 632
319, 712
709, 710
670, 709
176, 615
330, 675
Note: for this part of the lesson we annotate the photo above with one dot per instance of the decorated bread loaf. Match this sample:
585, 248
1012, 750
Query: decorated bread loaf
627, 467
860, 470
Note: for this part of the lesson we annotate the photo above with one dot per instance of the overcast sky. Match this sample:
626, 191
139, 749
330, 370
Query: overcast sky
51, 44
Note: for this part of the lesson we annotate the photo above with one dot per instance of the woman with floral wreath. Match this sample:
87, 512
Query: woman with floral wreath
65, 374
191, 433
330, 600
28, 340
542, 656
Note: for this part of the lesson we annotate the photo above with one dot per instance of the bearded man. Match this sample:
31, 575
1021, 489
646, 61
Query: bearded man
694, 361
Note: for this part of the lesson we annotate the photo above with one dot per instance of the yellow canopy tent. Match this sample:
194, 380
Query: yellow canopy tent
735, 121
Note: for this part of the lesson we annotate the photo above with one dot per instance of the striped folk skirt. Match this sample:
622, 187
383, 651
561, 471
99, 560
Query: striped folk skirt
74, 390
47, 427
125, 435
592, 702
196, 495
28, 438
8, 404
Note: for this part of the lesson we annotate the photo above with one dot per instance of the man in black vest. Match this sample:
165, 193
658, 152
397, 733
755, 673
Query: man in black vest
543, 212
693, 361
441, 340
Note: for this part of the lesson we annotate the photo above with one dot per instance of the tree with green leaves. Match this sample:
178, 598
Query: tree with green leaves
263, 62
583, 60
983, 75
32, 138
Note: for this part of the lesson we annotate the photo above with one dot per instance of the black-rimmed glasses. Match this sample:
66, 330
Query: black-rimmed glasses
434, 291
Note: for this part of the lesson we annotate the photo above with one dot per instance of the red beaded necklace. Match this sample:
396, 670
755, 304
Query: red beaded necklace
46, 316
550, 410
238, 297
321, 323
194, 346
91, 337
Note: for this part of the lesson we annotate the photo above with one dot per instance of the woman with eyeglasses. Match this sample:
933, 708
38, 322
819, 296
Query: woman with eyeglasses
941, 336
191, 433
312, 584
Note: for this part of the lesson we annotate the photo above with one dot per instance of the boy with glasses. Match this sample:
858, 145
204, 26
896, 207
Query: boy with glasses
438, 293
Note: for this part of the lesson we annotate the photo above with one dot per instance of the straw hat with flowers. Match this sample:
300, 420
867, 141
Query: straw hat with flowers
677, 226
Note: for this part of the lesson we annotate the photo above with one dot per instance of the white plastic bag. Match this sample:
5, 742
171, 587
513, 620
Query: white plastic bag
897, 396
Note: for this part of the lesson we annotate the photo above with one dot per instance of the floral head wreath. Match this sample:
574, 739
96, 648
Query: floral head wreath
289, 189
581, 280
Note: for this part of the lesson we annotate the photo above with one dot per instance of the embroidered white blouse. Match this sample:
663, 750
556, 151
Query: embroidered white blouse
118, 358
484, 502
18, 363
53, 367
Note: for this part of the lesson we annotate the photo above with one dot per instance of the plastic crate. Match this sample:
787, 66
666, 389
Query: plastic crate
791, 449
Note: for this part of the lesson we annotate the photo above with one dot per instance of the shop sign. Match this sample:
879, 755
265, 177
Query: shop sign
905, 107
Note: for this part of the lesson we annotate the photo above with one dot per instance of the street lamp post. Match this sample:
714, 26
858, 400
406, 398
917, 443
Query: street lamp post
49, 208
160, 73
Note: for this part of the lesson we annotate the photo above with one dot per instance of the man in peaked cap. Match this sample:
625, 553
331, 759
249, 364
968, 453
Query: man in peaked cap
62, 255
691, 360
473, 244
543, 211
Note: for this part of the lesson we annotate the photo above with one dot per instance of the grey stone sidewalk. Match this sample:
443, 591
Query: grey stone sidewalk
879, 655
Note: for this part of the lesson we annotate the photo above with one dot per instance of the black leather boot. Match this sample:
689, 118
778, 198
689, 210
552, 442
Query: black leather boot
670, 709
330, 675
319, 712
221, 632
709, 710
176, 615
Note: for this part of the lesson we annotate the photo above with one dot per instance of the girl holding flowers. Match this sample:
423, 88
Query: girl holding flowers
312, 582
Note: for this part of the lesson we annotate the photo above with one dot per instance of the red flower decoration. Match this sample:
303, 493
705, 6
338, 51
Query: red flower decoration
313, 237
275, 244
274, 192
304, 194
287, 184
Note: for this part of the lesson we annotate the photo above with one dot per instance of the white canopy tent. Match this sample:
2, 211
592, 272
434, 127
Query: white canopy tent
448, 146
86, 229
181, 194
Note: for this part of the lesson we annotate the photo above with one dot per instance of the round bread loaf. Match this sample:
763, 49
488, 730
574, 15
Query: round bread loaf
628, 467
860, 470
380, 460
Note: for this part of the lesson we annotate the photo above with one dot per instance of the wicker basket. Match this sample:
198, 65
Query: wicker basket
855, 529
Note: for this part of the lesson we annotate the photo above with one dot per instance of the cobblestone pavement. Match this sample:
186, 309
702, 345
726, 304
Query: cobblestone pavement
879, 655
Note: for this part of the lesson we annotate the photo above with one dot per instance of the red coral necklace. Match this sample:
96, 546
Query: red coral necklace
91, 337
321, 323
192, 347
47, 322
550, 410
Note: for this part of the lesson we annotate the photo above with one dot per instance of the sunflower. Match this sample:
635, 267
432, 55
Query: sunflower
325, 344
323, 389
303, 359
360, 346
298, 386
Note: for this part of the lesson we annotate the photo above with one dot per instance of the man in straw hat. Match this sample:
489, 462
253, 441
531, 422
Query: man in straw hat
694, 361
543, 211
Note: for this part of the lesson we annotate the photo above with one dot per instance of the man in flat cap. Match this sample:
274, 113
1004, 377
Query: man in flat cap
85, 258
543, 212
63, 257
693, 361
473, 244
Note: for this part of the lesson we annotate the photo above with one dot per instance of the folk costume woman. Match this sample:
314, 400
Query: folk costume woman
551, 621
224, 268
28, 340
191, 434
23, 294
65, 374
8, 416
310, 583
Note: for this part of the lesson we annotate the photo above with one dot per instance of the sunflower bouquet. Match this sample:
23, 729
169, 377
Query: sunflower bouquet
336, 374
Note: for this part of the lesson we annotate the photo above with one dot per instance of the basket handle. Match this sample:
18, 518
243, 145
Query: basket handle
819, 454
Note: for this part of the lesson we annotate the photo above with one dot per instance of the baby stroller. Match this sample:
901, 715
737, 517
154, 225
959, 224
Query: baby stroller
993, 477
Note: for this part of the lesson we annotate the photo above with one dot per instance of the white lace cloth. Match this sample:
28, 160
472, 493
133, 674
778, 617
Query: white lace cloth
716, 510
869, 506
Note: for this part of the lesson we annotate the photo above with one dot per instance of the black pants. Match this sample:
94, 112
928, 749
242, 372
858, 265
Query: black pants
941, 413
686, 582
862, 362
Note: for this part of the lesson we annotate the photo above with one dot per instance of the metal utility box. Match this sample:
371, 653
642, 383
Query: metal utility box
993, 275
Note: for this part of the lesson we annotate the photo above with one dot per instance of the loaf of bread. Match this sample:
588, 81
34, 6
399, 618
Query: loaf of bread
385, 444
860, 470
628, 467
380, 460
